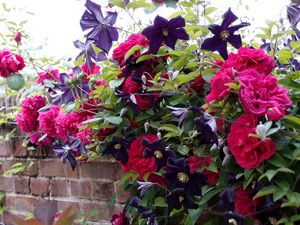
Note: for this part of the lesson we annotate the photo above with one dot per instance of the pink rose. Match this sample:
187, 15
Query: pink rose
259, 93
134, 39
47, 121
218, 85
34, 139
275, 113
120, 219
18, 37
27, 118
248, 151
48, 74
10, 63
250, 58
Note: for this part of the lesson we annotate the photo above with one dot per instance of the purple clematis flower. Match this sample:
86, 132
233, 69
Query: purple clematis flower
165, 31
68, 90
180, 113
293, 14
126, 2
102, 30
89, 54
179, 198
227, 199
67, 151
145, 212
118, 148
234, 218
224, 33
179, 174
159, 151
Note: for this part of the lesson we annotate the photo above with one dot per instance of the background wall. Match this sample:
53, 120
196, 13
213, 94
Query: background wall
93, 186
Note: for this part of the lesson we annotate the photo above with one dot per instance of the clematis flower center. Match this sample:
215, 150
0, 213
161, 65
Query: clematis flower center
181, 198
158, 154
165, 32
182, 177
224, 35
232, 221
117, 146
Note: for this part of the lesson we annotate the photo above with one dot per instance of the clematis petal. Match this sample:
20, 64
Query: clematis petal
222, 49
181, 34
235, 40
234, 28
160, 22
211, 44
113, 32
155, 43
170, 40
228, 18
177, 22
88, 21
215, 29
111, 18
95, 10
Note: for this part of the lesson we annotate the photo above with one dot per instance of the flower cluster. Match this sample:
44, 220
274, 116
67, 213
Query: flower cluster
198, 138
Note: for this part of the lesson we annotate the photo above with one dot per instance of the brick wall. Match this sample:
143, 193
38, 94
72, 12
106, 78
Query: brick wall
92, 186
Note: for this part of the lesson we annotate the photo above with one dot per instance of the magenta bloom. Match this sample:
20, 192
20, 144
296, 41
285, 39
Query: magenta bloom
165, 32
47, 121
27, 118
120, 218
259, 93
10, 63
34, 139
18, 37
48, 74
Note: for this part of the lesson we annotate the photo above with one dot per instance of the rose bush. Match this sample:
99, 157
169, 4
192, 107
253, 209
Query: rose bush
205, 132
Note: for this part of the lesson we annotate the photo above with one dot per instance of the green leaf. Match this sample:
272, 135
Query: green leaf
116, 83
15, 81
128, 176
114, 119
143, 58
289, 83
278, 161
265, 191
160, 202
131, 51
269, 174
292, 121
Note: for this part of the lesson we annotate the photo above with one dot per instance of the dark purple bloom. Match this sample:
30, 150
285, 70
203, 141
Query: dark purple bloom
126, 2
118, 148
227, 199
67, 151
179, 174
102, 30
234, 218
88, 52
159, 151
179, 113
224, 33
145, 212
68, 90
206, 126
293, 14
165, 31
178, 198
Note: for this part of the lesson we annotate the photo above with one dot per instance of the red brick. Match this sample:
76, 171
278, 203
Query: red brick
102, 190
6, 148
62, 205
19, 150
27, 203
107, 170
81, 189
29, 170
22, 184
52, 168
39, 186
10, 201
71, 173
6, 183
59, 188
96, 211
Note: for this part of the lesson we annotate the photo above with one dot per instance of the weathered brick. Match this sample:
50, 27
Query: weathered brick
10, 201
22, 184
96, 211
71, 173
6, 148
27, 203
18, 149
39, 186
59, 188
52, 168
81, 189
107, 170
6, 183
102, 190
63, 204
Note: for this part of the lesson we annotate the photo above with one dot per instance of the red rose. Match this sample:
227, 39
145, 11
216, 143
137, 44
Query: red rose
34, 139
249, 151
144, 101
18, 37
136, 162
48, 74
243, 203
10, 63
218, 85
197, 84
275, 113
158, 180
259, 93
250, 58
119, 219
47, 121
134, 39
